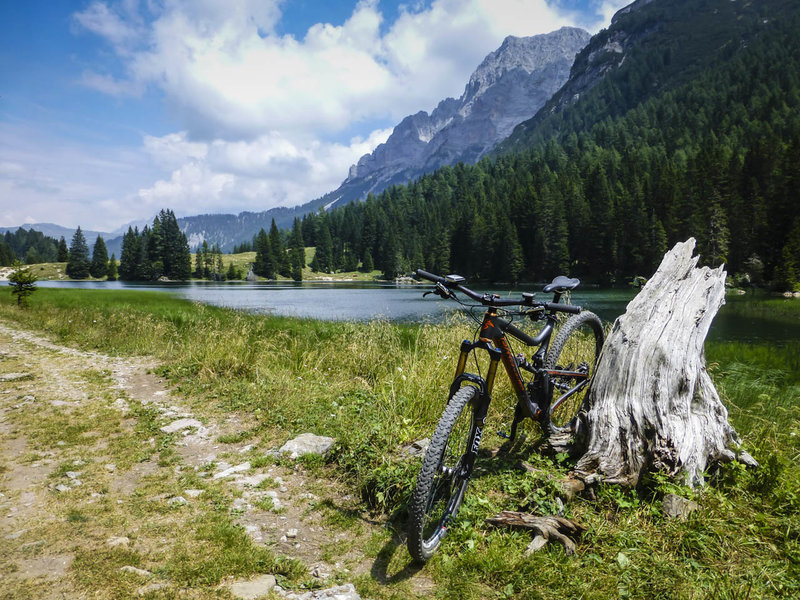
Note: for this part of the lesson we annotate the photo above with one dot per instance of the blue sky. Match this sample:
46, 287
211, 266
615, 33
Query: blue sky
112, 110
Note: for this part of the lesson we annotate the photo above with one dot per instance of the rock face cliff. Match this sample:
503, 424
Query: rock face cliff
510, 85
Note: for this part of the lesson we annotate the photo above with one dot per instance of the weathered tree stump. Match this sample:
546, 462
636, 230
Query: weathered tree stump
652, 404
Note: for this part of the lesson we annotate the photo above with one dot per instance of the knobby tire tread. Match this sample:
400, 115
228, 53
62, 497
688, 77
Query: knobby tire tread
556, 347
427, 473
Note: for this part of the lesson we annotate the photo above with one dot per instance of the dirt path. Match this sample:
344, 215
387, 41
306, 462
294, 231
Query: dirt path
104, 471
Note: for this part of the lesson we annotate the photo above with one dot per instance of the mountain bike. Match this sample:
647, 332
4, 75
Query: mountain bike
558, 375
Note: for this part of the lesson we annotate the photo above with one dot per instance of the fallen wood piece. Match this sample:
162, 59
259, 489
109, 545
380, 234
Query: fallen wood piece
546, 529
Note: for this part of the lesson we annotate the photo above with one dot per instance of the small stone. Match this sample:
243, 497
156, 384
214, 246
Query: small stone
232, 470
283, 489
181, 424
246, 448
135, 571
253, 589
251, 480
177, 501
15, 535
339, 592
62, 488
307, 443
254, 532
79, 462
292, 533
72, 474
15, 377
276, 502
193, 493
283, 538
111, 467
417, 448
676, 507
151, 587
118, 542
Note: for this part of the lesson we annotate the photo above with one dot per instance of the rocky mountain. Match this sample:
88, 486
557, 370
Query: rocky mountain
510, 85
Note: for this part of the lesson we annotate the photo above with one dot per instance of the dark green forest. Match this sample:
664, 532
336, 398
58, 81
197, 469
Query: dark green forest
27, 246
697, 133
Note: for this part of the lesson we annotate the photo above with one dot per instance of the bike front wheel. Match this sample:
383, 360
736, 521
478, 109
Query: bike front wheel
444, 475
575, 350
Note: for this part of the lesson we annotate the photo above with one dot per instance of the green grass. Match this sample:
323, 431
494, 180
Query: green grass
377, 386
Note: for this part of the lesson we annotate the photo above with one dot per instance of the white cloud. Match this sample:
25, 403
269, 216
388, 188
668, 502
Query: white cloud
265, 119
228, 75
250, 175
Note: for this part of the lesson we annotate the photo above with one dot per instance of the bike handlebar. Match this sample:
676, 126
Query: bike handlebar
493, 300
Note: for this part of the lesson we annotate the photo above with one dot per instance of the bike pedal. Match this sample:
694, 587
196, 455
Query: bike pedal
504, 435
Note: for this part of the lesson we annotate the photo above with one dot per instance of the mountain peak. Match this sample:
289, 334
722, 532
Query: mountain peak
508, 87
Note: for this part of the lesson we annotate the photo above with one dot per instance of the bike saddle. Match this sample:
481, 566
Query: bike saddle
562, 284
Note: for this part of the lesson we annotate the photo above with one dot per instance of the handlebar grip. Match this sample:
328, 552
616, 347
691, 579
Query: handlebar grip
567, 308
429, 276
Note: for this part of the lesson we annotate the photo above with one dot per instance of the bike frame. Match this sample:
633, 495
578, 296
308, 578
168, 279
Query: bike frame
492, 339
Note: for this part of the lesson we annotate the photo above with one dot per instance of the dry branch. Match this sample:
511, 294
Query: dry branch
545, 529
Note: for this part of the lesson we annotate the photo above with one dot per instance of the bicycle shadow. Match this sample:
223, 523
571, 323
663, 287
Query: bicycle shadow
388, 558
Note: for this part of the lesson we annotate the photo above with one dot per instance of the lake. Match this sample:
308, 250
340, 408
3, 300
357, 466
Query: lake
367, 301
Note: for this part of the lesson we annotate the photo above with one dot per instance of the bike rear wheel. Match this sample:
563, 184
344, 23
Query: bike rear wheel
576, 348
443, 478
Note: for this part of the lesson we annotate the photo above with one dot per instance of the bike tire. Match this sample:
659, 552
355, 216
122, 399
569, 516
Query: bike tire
576, 346
440, 484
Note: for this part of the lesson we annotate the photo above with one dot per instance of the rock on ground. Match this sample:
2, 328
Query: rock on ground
340, 592
307, 443
254, 588
676, 507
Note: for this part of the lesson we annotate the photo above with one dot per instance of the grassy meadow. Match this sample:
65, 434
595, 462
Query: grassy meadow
378, 386
240, 261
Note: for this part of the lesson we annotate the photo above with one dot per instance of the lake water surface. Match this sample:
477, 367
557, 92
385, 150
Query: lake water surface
367, 301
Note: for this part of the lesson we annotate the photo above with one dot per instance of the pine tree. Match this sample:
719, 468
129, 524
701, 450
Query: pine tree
32, 256
265, 263
219, 272
232, 272
787, 274
367, 264
78, 264
175, 255
324, 253
112, 268
23, 283
99, 266
129, 258
278, 251
63, 251
297, 251
199, 260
